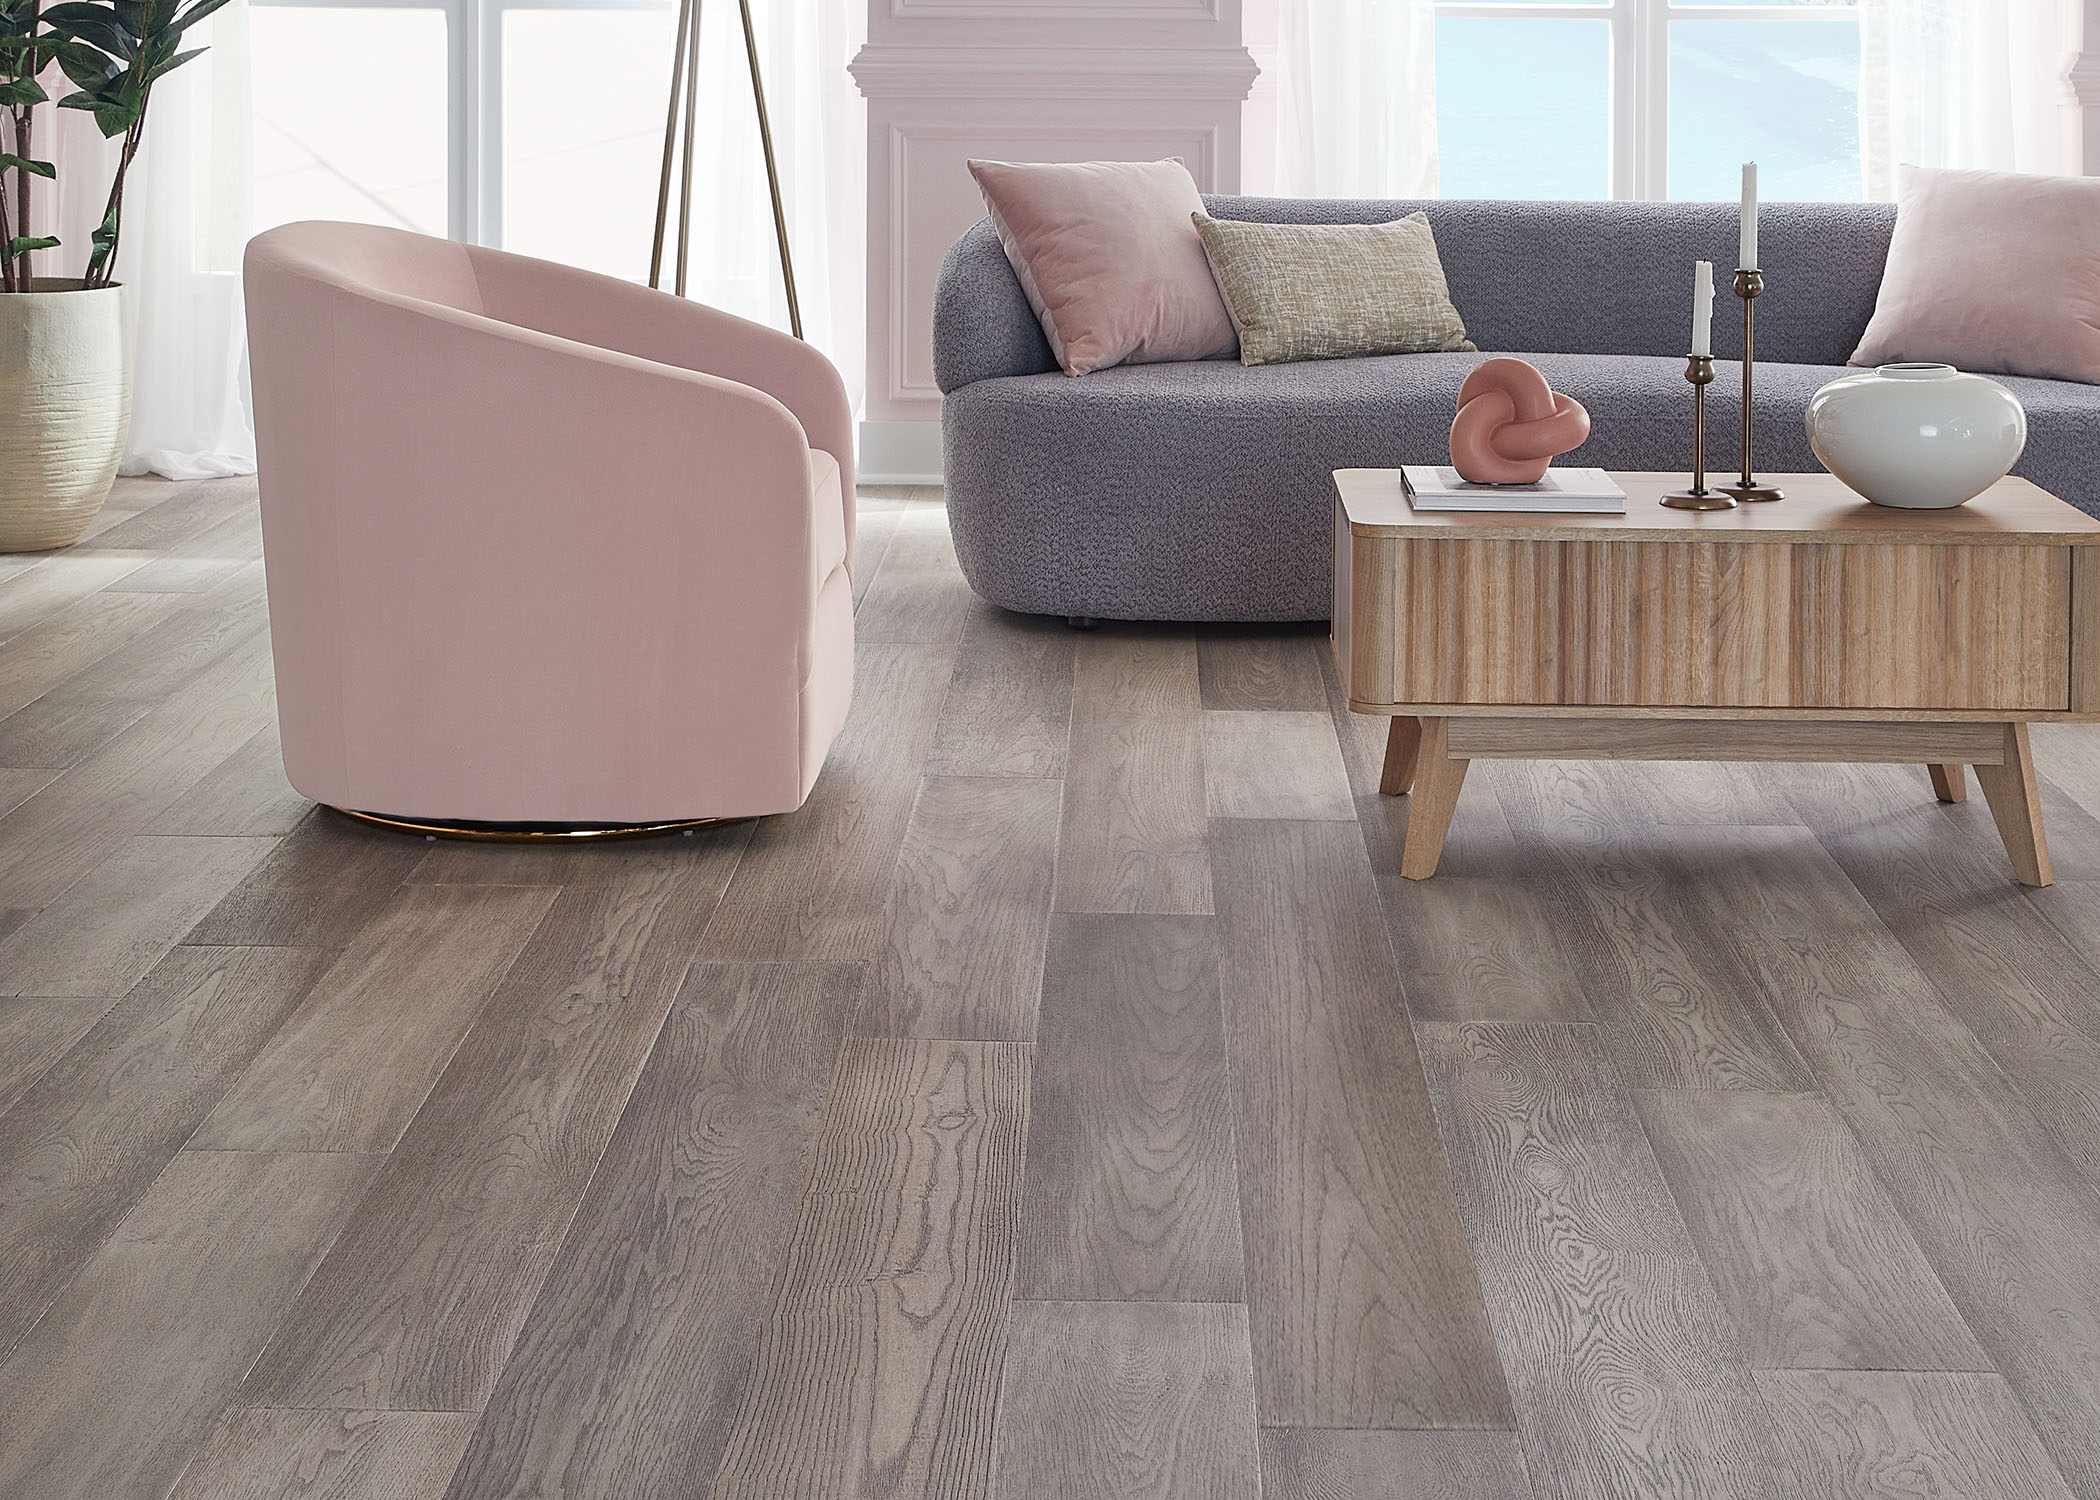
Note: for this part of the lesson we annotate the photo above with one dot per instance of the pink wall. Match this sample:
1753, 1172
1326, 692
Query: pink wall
1019, 80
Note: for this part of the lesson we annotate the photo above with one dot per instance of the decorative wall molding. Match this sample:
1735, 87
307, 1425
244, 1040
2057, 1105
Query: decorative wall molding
1015, 80
2083, 79
2083, 76
890, 71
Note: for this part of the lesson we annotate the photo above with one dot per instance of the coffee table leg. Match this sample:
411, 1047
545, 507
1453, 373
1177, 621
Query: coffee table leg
1402, 743
1437, 781
1949, 784
2016, 807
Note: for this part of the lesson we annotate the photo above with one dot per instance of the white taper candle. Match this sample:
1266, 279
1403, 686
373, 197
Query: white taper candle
1746, 248
1703, 307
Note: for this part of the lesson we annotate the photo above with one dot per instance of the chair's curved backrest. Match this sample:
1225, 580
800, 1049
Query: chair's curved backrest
369, 257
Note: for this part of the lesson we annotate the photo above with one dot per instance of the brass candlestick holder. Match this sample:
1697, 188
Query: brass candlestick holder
1748, 284
1699, 370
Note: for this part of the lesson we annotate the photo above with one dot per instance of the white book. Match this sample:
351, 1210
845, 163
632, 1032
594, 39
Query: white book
1562, 491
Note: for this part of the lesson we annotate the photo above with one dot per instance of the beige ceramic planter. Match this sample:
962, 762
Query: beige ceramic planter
65, 405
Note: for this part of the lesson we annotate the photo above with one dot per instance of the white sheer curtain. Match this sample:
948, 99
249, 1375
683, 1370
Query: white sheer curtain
188, 215
816, 115
185, 220
1964, 83
1356, 98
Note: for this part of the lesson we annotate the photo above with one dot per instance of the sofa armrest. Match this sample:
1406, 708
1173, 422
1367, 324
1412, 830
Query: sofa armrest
983, 327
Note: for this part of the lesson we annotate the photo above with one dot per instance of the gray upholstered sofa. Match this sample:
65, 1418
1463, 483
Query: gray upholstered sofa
1200, 491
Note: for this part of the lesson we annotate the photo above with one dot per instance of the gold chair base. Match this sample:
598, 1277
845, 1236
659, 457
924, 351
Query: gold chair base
526, 833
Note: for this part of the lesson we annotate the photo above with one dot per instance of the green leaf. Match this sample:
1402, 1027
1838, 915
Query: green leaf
18, 93
34, 168
104, 240
197, 13
94, 24
174, 62
22, 244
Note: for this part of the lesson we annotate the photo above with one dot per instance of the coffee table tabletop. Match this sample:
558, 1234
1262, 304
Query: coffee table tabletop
1818, 627
1817, 508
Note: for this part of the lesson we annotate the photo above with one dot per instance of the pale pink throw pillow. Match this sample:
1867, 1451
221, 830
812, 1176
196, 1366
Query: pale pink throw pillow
1110, 259
1996, 271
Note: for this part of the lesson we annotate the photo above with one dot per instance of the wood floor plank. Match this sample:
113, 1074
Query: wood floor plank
610, 862
1997, 961
1127, 1401
51, 583
35, 1032
968, 912
1365, 1308
2068, 755
354, 1063
1679, 1009
319, 888
813, 884
84, 1140
327, 1455
1814, 1265
1134, 815
167, 515
73, 640
874, 526
83, 817
80, 715
1627, 1378
2008, 1221
1266, 670
1478, 948
1856, 1434
124, 916
918, 595
418, 1304
1131, 1190
123, 1378
1009, 706
1274, 765
1301, 1463
193, 566
630, 1365
18, 785
246, 797
877, 1372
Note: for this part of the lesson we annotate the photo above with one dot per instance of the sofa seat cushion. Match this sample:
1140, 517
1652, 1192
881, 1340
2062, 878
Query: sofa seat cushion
1201, 491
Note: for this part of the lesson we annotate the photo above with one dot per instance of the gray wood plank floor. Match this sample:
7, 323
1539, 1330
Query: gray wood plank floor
1071, 1099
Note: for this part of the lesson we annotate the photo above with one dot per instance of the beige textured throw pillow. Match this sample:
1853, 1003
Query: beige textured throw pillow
1327, 291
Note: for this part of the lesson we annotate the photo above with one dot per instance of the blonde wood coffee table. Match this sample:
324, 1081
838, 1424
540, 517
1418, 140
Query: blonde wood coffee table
1816, 628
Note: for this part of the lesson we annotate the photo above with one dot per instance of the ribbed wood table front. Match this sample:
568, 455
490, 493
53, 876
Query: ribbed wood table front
1818, 627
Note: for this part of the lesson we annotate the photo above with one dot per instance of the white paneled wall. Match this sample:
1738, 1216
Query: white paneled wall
1016, 80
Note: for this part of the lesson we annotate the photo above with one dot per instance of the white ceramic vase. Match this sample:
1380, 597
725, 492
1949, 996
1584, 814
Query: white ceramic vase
1918, 436
65, 406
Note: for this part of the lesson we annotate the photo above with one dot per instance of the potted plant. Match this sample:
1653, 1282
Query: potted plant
65, 369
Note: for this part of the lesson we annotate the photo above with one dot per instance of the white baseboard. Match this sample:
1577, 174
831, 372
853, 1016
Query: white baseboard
900, 453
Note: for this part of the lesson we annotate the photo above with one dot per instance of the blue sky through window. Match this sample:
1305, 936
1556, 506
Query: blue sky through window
1524, 111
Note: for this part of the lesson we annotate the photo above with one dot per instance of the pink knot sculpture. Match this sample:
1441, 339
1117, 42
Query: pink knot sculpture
1510, 424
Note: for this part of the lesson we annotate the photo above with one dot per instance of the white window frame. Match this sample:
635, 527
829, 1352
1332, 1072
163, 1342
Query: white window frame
1639, 88
474, 98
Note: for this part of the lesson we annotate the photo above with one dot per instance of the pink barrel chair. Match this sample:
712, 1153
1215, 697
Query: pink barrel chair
543, 547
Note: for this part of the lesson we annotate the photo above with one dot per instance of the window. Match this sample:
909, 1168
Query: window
1647, 98
532, 124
